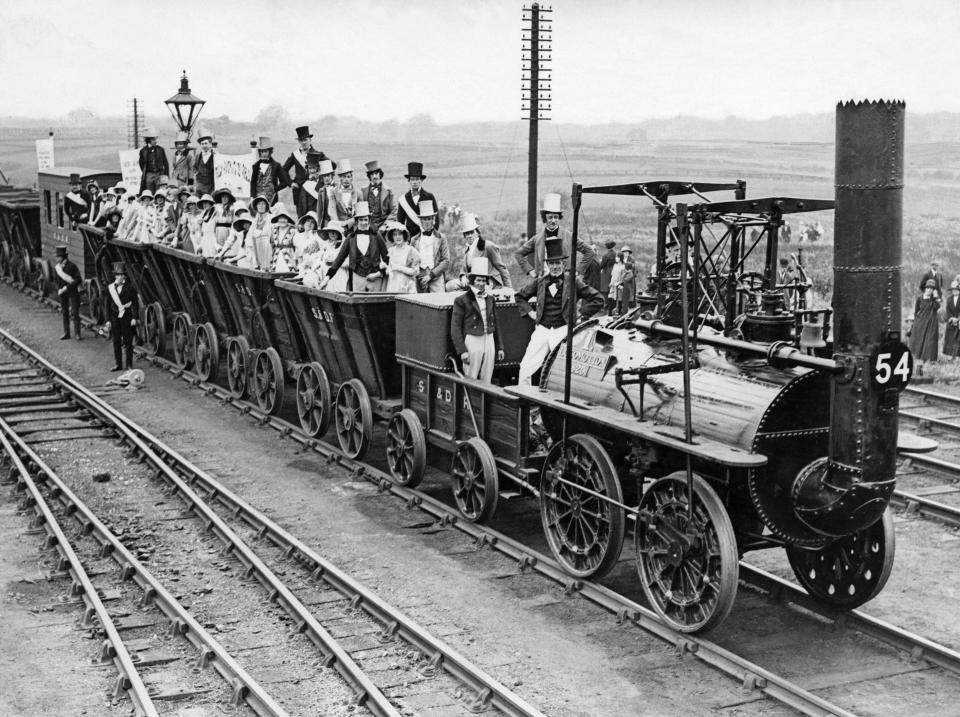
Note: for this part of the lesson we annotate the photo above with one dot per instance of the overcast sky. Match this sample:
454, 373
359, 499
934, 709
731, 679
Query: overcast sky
460, 59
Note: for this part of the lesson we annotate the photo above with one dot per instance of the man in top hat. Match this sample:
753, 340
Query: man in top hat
326, 194
473, 326
552, 307
434, 251
533, 248
267, 177
367, 253
309, 193
346, 194
202, 170
607, 262
124, 309
76, 202
408, 210
153, 161
181, 173
68, 283
296, 164
380, 198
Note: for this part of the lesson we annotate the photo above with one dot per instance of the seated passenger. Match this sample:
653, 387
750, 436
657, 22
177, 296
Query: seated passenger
333, 239
473, 325
233, 248
403, 263
283, 259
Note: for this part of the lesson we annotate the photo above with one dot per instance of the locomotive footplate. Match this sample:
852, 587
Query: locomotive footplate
667, 436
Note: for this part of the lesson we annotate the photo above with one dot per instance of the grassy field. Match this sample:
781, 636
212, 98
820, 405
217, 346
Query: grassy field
489, 179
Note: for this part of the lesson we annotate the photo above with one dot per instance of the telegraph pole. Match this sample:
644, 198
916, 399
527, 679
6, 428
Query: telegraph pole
134, 122
537, 52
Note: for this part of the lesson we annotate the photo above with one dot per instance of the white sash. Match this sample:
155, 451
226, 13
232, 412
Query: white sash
62, 274
121, 308
311, 190
412, 214
76, 198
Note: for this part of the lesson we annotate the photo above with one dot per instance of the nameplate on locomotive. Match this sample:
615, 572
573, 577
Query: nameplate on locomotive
585, 362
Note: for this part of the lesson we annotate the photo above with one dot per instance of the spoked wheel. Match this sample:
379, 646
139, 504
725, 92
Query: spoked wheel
849, 571
154, 329
474, 480
268, 381
206, 352
313, 399
238, 365
95, 300
353, 419
406, 448
182, 340
585, 532
140, 335
688, 566
43, 278
5, 271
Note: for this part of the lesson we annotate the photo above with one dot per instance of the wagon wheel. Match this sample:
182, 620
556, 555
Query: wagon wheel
688, 567
585, 532
849, 571
206, 352
43, 277
141, 336
406, 448
161, 323
153, 338
95, 300
5, 272
313, 399
268, 381
353, 418
475, 480
182, 340
238, 364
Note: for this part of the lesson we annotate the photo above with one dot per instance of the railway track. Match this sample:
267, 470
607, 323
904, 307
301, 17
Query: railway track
921, 653
46, 408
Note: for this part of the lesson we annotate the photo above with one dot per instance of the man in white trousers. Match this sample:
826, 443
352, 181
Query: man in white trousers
473, 326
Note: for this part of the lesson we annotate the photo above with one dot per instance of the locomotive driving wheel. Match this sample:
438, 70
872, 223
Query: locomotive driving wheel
581, 506
268, 380
849, 571
238, 365
353, 418
182, 344
688, 565
475, 480
313, 399
155, 329
206, 352
406, 448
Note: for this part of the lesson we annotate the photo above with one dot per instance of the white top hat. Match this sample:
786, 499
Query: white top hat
479, 266
326, 166
149, 132
361, 209
342, 168
426, 208
469, 223
551, 203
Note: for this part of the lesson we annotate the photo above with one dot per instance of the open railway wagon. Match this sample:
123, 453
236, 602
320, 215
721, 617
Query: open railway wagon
20, 251
714, 445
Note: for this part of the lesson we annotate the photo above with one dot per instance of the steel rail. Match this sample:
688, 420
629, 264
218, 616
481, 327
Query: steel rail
243, 686
489, 691
129, 679
366, 692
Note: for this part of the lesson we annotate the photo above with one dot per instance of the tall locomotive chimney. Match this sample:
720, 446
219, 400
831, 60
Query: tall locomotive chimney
850, 489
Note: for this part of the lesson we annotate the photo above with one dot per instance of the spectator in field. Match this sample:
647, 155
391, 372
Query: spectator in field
267, 176
307, 199
403, 263
408, 210
473, 326
380, 198
367, 254
477, 246
76, 202
530, 255
935, 274
925, 336
282, 240
628, 281
433, 249
616, 285
296, 167
346, 194
153, 161
326, 194
202, 170
607, 261
181, 170
951, 334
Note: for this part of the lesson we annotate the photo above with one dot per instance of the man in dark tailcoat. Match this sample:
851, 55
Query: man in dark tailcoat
367, 254
153, 161
124, 309
408, 210
267, 176
473, 325
295, 166
77, 202
68, 290
552, 307
530, 255
379, 197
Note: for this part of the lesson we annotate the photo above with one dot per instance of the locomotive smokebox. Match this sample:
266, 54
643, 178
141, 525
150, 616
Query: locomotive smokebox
849, 490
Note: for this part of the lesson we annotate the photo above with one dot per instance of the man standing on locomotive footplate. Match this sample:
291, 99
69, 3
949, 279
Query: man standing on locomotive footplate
68, 281
124, 309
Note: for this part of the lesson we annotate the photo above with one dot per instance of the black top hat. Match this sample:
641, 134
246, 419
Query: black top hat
119, 268
415, 169
610, 244
303, 133
74, 178
60, 250
313, 158
554, 249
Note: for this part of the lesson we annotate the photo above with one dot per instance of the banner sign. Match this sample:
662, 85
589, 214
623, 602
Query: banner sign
232, 171
130, 169
45, 154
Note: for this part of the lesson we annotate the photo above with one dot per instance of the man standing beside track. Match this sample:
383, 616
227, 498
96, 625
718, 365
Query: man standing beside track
68, 281
124, 309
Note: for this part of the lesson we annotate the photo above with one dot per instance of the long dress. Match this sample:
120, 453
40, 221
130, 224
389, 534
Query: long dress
403, 258
951, 335
284, 259
208, 234
339, 281
224, 218
260, 234
925, 335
